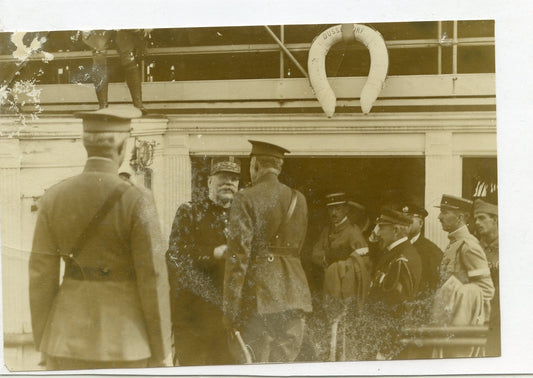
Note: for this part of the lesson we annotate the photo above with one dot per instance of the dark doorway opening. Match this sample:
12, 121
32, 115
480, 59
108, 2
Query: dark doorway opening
480, 178
370, 181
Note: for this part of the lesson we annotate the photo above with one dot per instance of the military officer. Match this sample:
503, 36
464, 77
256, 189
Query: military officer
196, 268
265, 288
466, 288
111, 309
398, 270
486, 219
341, 247
396, 281
464, 258
128, 43
340, 238
430, 254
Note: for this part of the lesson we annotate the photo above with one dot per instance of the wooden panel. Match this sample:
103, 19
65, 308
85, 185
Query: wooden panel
426, 86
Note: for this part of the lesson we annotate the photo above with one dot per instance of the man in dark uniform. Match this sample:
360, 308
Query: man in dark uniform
396, 282
486, 218
129, 44
430, 254
195, 260
265, 288
111, 309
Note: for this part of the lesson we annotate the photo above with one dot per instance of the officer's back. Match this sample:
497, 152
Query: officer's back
111, 309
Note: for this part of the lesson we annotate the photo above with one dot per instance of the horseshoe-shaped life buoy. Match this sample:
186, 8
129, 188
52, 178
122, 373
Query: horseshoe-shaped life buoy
379, 64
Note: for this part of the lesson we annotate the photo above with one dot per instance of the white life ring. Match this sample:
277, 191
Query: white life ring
379, 64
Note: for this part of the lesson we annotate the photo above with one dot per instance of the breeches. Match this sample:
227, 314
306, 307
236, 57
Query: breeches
274, 337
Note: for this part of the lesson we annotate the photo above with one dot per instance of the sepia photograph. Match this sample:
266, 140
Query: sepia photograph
253, 194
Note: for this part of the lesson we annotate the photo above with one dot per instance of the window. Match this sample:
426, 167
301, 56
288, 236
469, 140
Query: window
249, 52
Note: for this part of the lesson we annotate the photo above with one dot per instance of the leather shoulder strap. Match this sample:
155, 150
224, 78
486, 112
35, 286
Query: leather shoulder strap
288, 214
98, 217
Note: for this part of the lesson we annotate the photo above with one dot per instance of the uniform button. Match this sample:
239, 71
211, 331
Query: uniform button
270, 258
225, 221
277, 236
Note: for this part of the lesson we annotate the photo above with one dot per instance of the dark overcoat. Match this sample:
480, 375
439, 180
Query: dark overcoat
397, 275
430, 257
196, 277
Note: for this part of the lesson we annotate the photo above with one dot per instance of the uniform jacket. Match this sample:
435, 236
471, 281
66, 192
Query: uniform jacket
258, 277
107, 317
336, 243
492, 253
196, 277
464, 258
397, 275
431, 257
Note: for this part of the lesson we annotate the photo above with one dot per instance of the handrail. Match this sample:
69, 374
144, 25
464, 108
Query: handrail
446, 331
474, 336
17, 339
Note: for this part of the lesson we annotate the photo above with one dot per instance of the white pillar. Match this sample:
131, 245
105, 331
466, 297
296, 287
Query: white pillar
178, 177
14, 259
443, 176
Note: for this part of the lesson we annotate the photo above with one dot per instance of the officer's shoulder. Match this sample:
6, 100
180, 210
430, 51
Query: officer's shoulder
187, 207
355, 228
410, 251
136, 189
428, 244
471, 243
299, 194
247, 192
59, 186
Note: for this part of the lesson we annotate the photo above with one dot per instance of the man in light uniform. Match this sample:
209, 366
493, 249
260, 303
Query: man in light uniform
466, 288
195, 261
111, 309
265, 287
486, 218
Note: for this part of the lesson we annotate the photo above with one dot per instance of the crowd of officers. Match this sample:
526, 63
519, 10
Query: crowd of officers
239, 292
